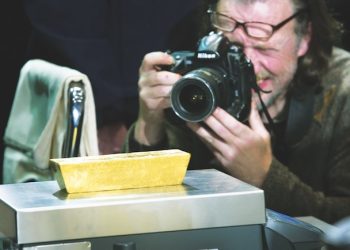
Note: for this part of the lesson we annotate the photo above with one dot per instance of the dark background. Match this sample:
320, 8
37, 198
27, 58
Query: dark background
15, 30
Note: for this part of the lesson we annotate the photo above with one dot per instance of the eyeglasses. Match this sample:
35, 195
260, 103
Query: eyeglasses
257, 30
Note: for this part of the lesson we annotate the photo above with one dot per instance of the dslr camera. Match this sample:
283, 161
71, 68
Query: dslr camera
217, 74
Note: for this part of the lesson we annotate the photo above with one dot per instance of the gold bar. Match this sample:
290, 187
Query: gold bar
121, 171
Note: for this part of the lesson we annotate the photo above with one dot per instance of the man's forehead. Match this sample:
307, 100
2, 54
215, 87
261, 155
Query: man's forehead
284, 3
250, 1
256, 1
253, 10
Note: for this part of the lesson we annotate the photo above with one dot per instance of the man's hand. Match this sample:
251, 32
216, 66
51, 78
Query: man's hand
154, 96
245, 151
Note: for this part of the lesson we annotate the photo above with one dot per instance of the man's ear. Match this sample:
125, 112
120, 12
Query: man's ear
304, 42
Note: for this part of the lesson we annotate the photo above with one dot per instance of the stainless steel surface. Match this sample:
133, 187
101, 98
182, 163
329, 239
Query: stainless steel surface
65, 246
40, 212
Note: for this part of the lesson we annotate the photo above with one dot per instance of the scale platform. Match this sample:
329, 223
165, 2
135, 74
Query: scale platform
210, 210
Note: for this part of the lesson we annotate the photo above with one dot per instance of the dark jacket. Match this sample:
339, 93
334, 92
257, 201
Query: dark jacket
313, 176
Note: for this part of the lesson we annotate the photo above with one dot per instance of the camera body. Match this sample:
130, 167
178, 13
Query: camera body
217, 74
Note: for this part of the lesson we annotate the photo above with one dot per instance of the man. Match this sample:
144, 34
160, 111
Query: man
303, 167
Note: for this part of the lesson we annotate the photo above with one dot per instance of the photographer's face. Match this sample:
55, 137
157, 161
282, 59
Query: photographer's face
274, 59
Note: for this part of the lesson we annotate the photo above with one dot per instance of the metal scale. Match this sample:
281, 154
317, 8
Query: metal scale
210, 210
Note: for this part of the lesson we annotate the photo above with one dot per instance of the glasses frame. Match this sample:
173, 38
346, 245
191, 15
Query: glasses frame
274, 28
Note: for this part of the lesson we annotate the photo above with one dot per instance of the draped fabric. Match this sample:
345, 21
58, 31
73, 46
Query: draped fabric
37, 125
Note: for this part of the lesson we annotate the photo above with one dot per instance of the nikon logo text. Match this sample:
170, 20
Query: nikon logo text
206, 56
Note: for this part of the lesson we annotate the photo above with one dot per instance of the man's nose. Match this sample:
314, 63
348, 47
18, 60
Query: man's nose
251, 54
239, 37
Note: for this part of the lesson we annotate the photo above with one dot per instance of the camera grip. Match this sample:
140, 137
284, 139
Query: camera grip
183, 61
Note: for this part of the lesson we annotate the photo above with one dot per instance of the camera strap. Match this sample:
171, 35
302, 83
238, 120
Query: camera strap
300, 114
271, 124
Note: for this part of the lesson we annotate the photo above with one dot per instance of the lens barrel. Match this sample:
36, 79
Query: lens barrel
195, 96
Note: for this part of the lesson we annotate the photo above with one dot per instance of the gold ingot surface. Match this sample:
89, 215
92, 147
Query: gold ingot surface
121, 171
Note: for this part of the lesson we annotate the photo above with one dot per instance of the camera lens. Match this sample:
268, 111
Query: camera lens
193, 99
194, 96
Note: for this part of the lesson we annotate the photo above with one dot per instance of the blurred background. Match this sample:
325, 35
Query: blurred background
105, 40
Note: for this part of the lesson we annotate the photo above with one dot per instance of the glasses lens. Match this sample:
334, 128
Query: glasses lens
222, 22
259, 30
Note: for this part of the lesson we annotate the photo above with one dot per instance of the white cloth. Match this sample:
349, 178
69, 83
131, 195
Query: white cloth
37, 123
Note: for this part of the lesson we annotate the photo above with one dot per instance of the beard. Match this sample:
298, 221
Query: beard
270, 102
274, 103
